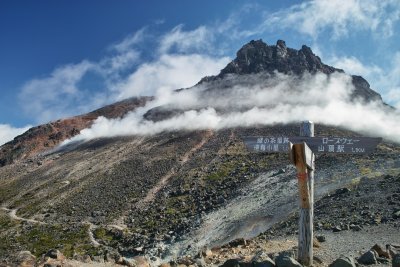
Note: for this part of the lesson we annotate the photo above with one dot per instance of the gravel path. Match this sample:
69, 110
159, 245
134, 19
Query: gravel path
352, 243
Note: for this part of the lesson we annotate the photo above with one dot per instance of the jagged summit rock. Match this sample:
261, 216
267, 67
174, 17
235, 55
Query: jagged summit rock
257, 56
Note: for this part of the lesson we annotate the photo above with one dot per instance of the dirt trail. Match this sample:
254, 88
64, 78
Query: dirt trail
163, 181
12, 213
119, 223
91, 236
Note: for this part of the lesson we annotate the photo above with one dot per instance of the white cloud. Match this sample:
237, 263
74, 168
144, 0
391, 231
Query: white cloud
181, 61
386, 81
52, 97
7, 132
338, 16
130, 41
169, 72
196, 40
354, 66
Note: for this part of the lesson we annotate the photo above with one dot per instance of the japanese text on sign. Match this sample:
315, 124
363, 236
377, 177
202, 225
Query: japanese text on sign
271, 144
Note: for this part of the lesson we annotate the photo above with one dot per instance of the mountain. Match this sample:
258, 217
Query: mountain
173, 193
44, 137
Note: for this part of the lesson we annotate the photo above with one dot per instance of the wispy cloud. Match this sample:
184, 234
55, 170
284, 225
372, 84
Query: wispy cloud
181, 61
180, 41
8, 132
386, 81
338, 17
56, 95
129, 42
169, 72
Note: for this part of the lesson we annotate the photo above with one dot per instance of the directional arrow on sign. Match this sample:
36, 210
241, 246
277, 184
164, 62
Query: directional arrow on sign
337, 145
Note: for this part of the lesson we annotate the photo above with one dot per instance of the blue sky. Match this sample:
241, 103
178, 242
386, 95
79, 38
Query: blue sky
63, 58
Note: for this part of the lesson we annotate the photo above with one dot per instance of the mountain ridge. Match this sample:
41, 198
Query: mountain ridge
256, 56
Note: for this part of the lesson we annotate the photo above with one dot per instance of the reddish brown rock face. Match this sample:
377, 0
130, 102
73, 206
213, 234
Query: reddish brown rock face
46, 136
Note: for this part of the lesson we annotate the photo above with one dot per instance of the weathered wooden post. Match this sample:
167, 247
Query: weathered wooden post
302, 151
306, 219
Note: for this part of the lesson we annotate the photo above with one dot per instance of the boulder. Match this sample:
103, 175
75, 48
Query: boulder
343, 261
265, 263
284, 260
231, 263
261, 256
200, 262
25, 259
55, 254
368, 257
141, 261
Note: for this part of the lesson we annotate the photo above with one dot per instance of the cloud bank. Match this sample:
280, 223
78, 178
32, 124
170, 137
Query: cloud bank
256, 100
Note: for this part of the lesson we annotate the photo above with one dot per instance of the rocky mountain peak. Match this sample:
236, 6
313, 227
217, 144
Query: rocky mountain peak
257, 56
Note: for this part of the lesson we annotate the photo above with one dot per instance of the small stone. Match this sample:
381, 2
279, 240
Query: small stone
396, 215
261, 256
355, 227
383, 260
380, 251
396, 260
321, 238
336, 229
98, 259
316, 243
368, 257
206, 252
238, 242
343, 261
317, 259
200, 262
86, 258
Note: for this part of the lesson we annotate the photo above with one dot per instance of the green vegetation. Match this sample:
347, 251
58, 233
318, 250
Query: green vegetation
103, 234
40, 238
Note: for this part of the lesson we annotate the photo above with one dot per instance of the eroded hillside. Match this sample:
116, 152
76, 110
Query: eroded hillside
157, 195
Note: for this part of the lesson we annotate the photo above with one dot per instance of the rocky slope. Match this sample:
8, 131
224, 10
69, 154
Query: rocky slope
168, 195
46, 136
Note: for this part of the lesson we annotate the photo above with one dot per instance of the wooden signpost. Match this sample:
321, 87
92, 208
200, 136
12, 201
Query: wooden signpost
302, 150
